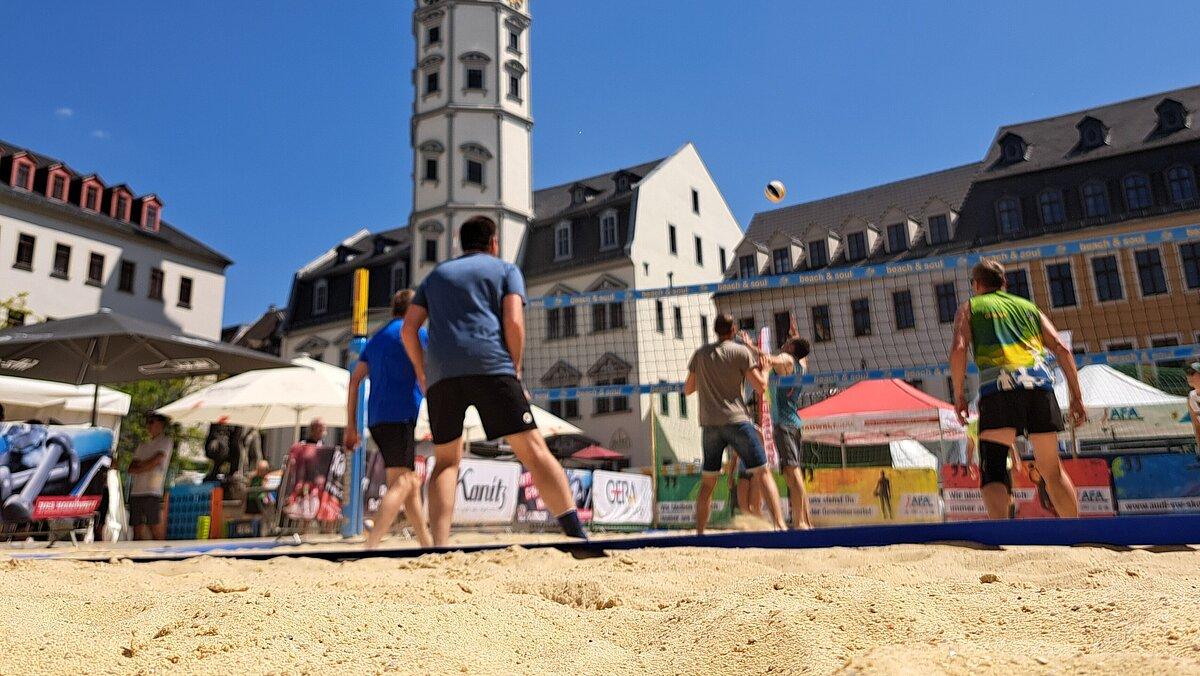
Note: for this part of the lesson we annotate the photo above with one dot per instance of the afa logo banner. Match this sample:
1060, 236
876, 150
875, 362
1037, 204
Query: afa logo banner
1166, 483
964, 501
864, 495
622, 498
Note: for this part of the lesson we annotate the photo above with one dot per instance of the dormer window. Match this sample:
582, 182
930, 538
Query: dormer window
818, 253
939, 229
781, 260
1172, 116
58, 187
622, 183
747, 267
578, 195
122, 210
856, 246
22, 173
1092, 133
897, 234
1012, 148
150, 219
91, 197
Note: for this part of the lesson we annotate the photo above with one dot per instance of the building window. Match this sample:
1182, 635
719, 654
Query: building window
25, 246
699, 250
903, 307
822, 327
683, 406
860, 312
1182, 183
514, 87
562, 241
1108, 278
703, 328
567, 409
1016, 282
678, 323
431, 250
671, 240
475, 78
613, 404
553, 324
607, 316
818, 254
122, 208
608, 230
1062, 285
1008, 215
23, 176
399, 276
150, 219
660, 320
746, 324
1137, 192
1166, 342
62, 261
431, 169
664, 403
1050, 204
560, 323
695, 201
1150, 272
95, 271
125, 280
856, 246
897, 237
1190, 255
433, 35
320, 297
474, 172
58, 187
156, 284
947, 301
783, 326
1095, 199
569, 325
939, 229
185, 292
433, 82
723, 256
514, 42
781, 261
746, 266
91, 198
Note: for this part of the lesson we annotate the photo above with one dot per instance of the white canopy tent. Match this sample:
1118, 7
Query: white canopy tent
1121, 407
24, 398
911, 454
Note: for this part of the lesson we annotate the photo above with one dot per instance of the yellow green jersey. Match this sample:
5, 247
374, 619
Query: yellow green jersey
1006, 333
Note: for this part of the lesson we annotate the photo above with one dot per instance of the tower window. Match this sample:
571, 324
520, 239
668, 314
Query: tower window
475, 78
431, 250
1095, 199
433, 82
514, 87
1137, 192
1051, 206
431, 169
474, 172
1008, 215
433, 35
514, 42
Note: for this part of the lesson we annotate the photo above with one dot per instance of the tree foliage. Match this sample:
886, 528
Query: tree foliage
147, 396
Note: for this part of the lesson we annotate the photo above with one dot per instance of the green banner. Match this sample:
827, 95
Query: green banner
677, 501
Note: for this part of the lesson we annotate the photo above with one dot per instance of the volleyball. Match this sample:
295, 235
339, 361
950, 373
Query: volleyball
775, 191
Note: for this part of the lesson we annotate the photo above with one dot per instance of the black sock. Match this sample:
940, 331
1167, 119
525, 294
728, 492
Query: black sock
569, 522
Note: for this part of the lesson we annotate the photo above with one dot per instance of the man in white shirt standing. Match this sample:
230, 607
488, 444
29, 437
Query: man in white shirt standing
148, 474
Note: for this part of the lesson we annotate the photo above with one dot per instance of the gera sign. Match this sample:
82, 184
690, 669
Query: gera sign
622, 498
486, 492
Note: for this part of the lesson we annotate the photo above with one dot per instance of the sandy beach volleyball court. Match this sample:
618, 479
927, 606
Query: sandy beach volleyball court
902, 609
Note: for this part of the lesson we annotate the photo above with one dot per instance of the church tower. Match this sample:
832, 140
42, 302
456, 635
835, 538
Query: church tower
471, 125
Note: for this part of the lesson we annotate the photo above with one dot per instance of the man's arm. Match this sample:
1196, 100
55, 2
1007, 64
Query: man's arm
758, 375
1066, 361
689, 385
410, 335
361, 371
142, 466
958, 360
514, 329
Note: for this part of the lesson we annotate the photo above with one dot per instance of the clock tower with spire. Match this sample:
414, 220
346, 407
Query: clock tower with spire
471, 125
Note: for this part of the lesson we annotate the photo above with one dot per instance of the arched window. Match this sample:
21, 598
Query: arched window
1050, 204
1137, 192
1095, 199
1008, 215
320, 297
1182, 183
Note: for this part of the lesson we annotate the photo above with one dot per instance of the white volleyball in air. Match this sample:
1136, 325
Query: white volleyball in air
775, 191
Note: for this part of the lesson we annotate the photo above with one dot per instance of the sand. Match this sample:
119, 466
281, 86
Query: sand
904, 609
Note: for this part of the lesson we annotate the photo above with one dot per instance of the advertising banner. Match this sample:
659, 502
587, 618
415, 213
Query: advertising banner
964, 501
961, 497
487, 492
622, 498
315, 484
862, 495
1167, 483
46, 471
677, 501
531, 509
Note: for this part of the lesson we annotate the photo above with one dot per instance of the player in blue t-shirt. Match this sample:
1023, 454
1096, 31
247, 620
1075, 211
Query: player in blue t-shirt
392, 409
475, 305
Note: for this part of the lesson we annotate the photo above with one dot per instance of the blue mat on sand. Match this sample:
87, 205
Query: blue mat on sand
1124, 531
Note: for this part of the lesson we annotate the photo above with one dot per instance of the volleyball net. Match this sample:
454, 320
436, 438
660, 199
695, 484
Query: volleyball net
1128, 305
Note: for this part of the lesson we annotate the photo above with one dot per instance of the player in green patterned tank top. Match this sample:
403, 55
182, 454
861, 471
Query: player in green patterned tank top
1012, 341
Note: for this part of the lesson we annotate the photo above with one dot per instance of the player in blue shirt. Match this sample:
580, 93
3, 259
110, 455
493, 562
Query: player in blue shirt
475, 305
392, 408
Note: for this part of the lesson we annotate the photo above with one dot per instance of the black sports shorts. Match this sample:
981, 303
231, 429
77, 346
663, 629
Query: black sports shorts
396, 444
500, 400
1027, 411
145, 510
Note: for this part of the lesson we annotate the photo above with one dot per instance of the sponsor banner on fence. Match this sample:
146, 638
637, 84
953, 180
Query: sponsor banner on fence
487, 492
314, 488
858, 495
622, 498
531, 509
964, 501
42, 461
1157, 484
677, 501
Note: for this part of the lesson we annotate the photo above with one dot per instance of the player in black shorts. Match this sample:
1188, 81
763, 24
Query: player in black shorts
1012, 341
475, 306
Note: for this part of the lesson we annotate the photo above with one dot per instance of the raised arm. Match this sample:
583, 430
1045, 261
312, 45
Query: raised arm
514, 329
758, 375
1066, 361
958, 360
360, 373
410, 335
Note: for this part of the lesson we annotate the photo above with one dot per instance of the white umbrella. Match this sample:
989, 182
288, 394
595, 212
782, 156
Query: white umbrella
27, 398
270, 398
547, 423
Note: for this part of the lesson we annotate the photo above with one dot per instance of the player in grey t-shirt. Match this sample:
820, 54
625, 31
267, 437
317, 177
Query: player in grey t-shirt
716, 373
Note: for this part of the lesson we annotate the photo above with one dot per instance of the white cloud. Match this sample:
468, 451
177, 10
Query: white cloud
100, 134
64, 112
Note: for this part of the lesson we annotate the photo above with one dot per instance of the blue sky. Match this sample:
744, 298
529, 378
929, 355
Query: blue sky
272, 129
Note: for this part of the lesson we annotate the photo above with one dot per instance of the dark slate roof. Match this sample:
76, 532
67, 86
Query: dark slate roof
366, 256
1132, 124
910, 195
555, 202
167, 234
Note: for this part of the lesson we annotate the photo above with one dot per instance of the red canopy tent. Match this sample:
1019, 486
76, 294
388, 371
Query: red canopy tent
595, 452
878, 412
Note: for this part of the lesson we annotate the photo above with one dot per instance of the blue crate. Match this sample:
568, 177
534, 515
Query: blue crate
187, 504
